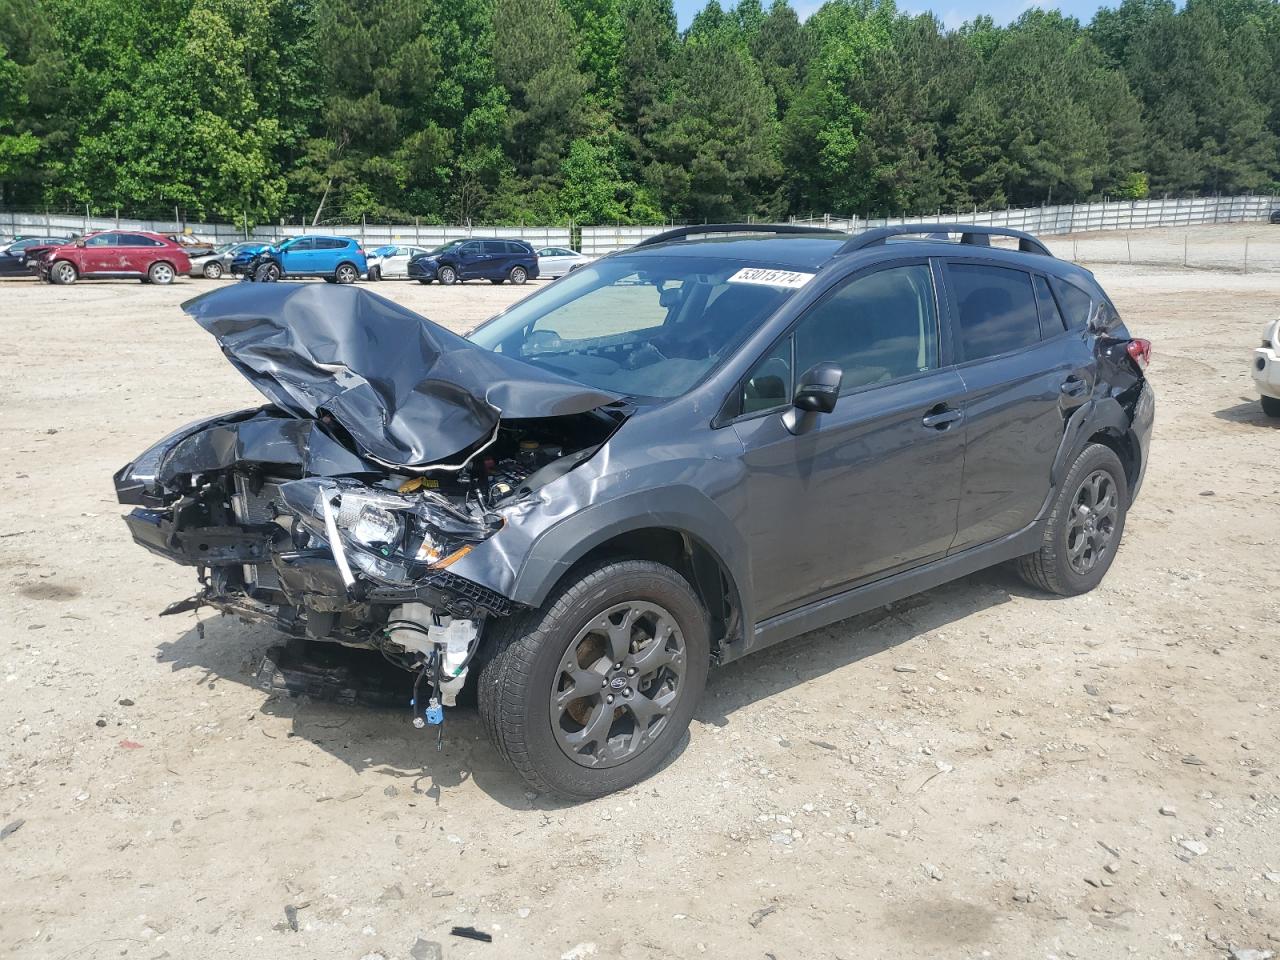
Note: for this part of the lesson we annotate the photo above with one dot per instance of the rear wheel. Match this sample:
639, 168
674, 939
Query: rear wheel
64, 271
518, 275
591, 693
1084, 529
161, 273
212, 270
447, 275
1271, 406
346, 273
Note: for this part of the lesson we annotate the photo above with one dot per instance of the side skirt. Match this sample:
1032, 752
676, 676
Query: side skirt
829, 610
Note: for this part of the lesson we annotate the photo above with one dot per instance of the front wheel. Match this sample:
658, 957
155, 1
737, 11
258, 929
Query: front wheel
518, 275
346, 273
1084, 528
64, 272
1271, 406
447, 275
424, 281
593, 691
267, 273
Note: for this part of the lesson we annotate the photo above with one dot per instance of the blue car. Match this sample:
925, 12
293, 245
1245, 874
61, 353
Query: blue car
494, 260
335, 259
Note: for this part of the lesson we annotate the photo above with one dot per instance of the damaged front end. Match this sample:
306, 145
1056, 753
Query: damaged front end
296, 514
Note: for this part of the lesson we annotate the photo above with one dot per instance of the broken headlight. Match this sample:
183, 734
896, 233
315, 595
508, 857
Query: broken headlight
392, 537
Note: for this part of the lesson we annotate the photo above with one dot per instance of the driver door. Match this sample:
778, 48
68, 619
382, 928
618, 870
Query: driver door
872, 487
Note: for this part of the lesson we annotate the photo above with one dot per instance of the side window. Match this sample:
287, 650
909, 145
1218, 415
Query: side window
302, 244
1075, 303
330, 243
997, 309
102, 240
469, 249
135, 240
517, 249
769, 384
1051, 323
877, 327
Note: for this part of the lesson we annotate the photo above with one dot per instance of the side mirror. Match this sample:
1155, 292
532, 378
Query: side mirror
79, 243
819, 387
816, 393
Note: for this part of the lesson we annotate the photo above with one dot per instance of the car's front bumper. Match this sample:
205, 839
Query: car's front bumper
419, 270
1266, 371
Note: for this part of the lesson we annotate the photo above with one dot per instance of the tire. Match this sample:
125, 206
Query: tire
496, 283
1084, 527
212, 270
1271, 406
375, 273
527, 656
346, 274
423, 281
518, 275
447, 275
64, 272
267, 273
161, 273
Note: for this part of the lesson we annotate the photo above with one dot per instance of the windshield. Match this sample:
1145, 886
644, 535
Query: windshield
446, 246
643, 326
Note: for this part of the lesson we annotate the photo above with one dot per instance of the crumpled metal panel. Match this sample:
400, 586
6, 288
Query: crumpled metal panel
407, 391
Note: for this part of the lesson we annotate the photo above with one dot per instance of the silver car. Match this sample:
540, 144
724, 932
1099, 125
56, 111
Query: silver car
213, 266
557, 261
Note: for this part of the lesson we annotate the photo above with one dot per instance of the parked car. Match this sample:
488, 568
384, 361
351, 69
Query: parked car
1266, 369
15, 254
1275, 216
682, 453
557, 261
213, 265
392, 262
492, 260
195, 246
335, 259
150, 257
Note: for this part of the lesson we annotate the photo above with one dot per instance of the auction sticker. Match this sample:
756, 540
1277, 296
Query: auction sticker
771, 278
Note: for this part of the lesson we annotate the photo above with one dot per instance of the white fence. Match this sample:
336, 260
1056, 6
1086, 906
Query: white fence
597, 241
1044, 221
370, 235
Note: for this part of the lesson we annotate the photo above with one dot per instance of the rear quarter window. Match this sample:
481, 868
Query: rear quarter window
996, 309
1076, 304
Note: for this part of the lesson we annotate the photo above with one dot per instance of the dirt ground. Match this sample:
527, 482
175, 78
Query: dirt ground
980, 771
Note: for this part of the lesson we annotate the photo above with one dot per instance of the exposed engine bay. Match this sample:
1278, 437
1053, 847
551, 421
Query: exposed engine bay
291, 519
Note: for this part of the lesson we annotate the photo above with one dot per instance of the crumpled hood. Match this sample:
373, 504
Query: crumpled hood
409, 392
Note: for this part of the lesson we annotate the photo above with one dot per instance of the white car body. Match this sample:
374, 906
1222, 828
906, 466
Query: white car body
1266, 367
395, 265
557, 261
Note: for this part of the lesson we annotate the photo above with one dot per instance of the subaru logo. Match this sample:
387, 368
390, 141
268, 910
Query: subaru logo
617, 683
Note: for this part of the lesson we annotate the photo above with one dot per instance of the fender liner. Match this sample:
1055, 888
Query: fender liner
681, 508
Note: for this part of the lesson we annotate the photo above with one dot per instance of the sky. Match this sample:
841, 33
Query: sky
951, 12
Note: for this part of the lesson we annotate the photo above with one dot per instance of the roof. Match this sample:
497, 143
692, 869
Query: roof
815, 248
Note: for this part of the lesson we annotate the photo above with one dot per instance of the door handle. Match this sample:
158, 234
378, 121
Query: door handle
941, 417
1074, 386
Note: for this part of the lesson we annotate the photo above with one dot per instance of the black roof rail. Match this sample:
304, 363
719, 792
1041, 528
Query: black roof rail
697, 230
969, 233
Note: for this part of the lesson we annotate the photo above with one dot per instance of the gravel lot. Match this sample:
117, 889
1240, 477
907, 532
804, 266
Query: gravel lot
980, 771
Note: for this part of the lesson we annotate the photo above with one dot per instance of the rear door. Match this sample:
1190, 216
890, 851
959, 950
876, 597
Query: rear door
135, 252
873, 487
1024, 373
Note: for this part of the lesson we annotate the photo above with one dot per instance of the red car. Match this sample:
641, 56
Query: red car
115, 253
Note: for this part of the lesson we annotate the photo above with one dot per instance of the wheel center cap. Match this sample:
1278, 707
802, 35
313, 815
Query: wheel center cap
618, 682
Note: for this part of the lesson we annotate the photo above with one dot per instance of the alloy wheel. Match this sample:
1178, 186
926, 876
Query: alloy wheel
617, 684
161, 273
213, 270
65, 273
346, 274
1092, 523
447, 275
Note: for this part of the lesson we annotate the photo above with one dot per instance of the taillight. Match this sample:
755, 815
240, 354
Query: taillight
1140, 350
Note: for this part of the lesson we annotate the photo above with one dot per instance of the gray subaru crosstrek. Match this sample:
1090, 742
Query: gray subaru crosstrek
676, 455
